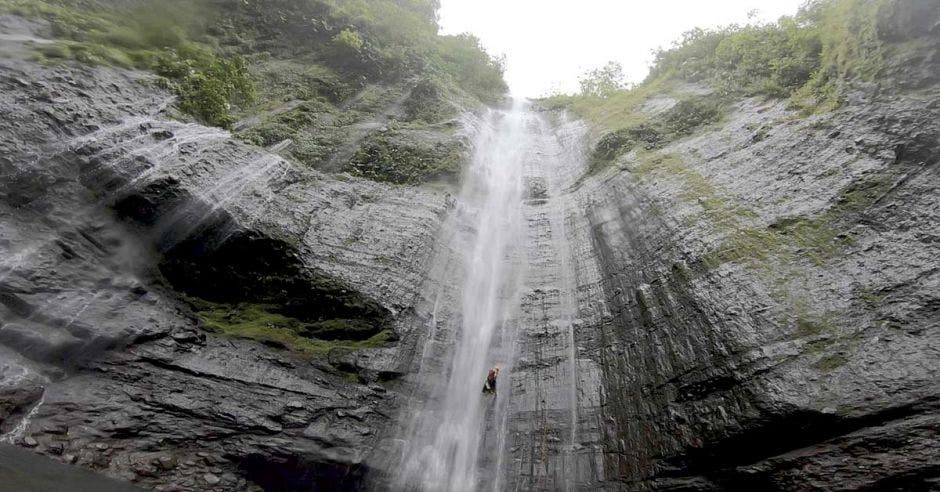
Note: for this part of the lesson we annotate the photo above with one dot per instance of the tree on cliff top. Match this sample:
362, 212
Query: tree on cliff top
603, 81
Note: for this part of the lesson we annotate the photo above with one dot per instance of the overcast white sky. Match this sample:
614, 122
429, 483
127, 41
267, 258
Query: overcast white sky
549, 43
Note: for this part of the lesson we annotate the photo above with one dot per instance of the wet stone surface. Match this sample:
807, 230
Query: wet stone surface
103, 365
755, 306
759, 330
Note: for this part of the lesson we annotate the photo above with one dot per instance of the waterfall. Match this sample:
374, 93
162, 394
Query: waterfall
443, 450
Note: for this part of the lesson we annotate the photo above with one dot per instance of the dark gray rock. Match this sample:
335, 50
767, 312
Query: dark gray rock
749, 314
110, 212
757, 309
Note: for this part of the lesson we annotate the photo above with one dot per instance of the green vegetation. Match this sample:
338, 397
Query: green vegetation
280, 81
813, 238
315, 129
823, 333
604, 81
375, 40
770, 59
464, 62
679, 121
150, 36
612, 110
207, 85
227, 59
818, 346
870, 297
426, 103
398, 157
760, 131
810, 58
745, 244
831, 362
658, 162
718, 209
807, 326
263, 322
862, 194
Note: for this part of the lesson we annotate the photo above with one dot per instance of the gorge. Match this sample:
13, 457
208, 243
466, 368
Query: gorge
686, 285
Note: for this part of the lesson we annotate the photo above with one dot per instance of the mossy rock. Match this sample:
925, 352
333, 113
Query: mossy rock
683, 119
427, 102
408, 156
280, 81
831, 362
267, 323
342, 329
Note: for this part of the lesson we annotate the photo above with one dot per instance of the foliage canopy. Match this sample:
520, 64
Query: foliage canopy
809, 57
206, 49
602, 81
812, 58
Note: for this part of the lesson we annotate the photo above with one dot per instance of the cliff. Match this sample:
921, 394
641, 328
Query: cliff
716, 283
183, 308
757, 298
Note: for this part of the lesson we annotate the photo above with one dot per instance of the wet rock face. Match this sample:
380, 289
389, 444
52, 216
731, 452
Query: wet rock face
252, 268
772, 302
751, 307
111, 213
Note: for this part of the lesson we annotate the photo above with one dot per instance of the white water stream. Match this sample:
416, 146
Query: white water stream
444, 450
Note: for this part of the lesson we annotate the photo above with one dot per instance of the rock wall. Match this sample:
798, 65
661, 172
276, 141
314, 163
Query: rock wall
554, 438
770, 306
111, 213
755, 306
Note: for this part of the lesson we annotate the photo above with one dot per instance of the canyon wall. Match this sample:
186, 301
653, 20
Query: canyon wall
117, 220
758, 305
752, 306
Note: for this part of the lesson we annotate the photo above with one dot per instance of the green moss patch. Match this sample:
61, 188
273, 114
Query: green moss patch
427, 103
818, 239
154, 36
315, 128
404, 157
754, 245
818, 346
264, 323
681, 120
716, 207
279, 81
831, 362
618, 109
810, 325
861, 194
871, 298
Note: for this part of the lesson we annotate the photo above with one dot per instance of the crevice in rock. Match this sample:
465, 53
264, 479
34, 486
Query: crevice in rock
215, 377
208, 255
781, 433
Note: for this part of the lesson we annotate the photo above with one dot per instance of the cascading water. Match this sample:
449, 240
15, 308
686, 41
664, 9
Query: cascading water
443, 450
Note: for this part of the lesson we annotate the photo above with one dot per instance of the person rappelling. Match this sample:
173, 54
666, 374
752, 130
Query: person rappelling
489, 386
